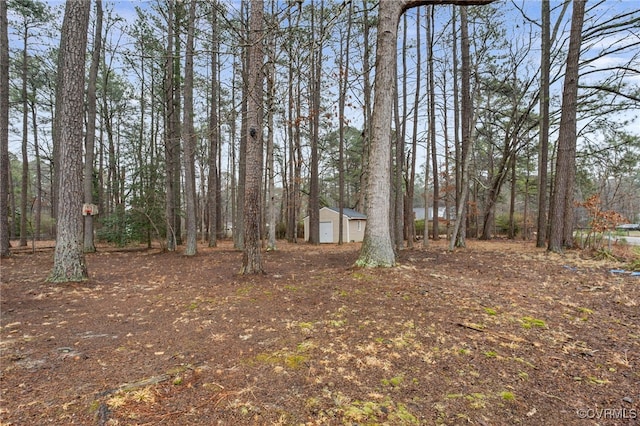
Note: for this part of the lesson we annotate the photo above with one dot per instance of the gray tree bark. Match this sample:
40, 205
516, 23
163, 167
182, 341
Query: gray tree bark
24, 182
252, 257
89, 246
214, 182
377, 247
4, 131
170, 134
69, 261
561, 217
189, 140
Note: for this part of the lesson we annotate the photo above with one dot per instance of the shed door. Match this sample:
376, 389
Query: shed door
326, 232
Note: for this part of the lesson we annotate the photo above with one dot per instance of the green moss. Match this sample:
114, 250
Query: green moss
507, 396
476, 400
295, 361
403, 416
529, 322
394, 381
377, 412
490, 311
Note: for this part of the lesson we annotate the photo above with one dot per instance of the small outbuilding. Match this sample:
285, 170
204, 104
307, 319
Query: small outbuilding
353, 224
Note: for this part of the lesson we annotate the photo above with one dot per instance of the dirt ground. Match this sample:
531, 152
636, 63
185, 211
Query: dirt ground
500, 333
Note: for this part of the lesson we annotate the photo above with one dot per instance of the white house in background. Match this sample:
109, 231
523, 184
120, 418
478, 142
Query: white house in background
418, 212
353, 224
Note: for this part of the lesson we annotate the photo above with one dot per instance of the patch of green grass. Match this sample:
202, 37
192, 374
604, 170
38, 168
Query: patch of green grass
295, 361
290, 287
595, 381
394, 381
403, 416
491, 311
337, 323
585, 313
305, 346
287, 358
490, 354
362, 276
507, 396
305, 326
373, 412
476, 400
342, 293
634, 265
530, 322
244, 291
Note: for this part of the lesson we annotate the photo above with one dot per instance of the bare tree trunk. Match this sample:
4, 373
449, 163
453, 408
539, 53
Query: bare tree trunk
214, 182
170, 133
239, 220
367, 95
37, 215
400, 132
512, 199
12, 203
344, 81
271, 93
377, 247
238, 226
189, 140
89, 246
69, 261
458, 237
24, 183
176, 125
447, 160
252, 258
409, 219
543, 152
457, 143
4, 131
316, 76
561, 217
425, 236
291, 192
432, 126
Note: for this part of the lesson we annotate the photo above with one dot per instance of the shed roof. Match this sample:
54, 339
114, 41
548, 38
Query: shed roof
350, 213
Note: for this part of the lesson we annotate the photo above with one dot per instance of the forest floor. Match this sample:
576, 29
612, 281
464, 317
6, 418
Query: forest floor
499, 333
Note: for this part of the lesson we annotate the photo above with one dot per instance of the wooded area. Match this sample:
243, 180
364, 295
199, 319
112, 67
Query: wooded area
204, 120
